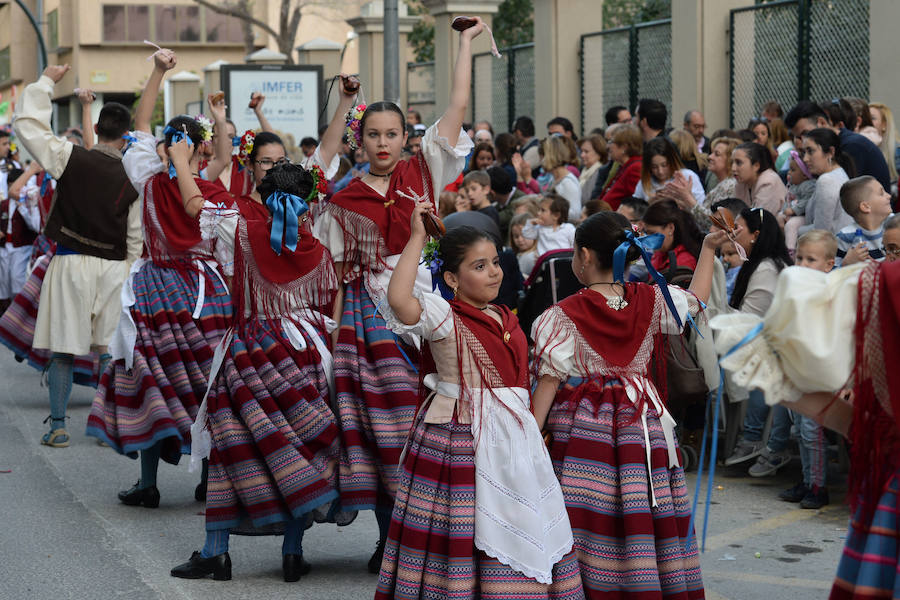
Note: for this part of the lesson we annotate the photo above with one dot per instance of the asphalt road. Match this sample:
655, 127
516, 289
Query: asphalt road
65, 535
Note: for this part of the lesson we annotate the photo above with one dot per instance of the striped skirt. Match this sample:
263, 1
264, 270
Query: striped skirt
275, 440
626, 547
430, 550
870, 565
377, 394
158, 398
17, 329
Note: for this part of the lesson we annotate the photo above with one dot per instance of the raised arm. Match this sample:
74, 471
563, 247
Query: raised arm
86, 97
180, 154
451, 121
15, 188
406, 307
32, 123
163, 60
222, 156
258, 111
701, 282
331, 139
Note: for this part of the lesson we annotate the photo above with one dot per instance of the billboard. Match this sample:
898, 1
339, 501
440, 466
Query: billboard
293, 97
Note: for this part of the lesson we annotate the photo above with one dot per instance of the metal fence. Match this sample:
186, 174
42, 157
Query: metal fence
797, 49
503, 89
622, 65
420, 90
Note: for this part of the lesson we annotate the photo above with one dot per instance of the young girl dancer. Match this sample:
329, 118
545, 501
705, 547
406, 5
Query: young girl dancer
275, 443
365, 226
613, 442
175, 306
478, 513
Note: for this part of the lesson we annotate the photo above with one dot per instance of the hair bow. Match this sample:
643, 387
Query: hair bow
286, 210
177, 136
129, 140
795, 156
646, 244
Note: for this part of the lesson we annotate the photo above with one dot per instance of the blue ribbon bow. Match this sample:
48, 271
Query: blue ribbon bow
130, 139
177, 136
286, 210
646, 244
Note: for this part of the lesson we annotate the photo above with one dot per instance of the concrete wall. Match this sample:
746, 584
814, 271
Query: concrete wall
884, 84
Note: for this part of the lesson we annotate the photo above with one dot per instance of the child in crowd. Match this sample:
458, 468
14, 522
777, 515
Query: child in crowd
477, 185
801, 188
550, 228
816, 249
864, 199
891, 239
529, 204
525, 249
733, 262
447, 203
462, 202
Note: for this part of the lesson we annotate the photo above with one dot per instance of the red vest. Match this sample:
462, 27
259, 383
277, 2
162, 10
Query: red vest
21, 234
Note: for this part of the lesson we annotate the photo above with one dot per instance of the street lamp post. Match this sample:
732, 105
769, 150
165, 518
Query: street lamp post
391, 51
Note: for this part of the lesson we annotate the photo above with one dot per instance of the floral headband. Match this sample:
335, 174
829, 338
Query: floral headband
246, 147
206, 127
354, 126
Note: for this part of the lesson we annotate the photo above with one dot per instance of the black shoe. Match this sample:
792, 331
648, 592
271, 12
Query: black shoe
794, 494
815, 499
19, 358
375, 561
200, 492
136, 496
294, 567
218, 566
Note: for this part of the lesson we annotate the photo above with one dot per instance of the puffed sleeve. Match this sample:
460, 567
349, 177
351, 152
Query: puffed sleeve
686, 303
805, 342
445, 161
554, 344
141, 162
330, 170
224, 227
328, 231
435, 322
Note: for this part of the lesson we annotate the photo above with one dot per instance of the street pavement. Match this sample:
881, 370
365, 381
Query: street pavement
65, 535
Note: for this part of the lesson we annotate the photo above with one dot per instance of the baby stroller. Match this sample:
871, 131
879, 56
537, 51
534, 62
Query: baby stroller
550, 281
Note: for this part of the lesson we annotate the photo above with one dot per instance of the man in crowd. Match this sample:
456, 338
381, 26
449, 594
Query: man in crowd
617, 114
523, 129
695, 124
561, 126
651, 116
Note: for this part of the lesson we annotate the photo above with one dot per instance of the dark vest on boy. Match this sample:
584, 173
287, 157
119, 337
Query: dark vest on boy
21, 235
89, 214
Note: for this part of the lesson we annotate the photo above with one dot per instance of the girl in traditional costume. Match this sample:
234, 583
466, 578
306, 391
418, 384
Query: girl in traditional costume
275, 442
824, 333
365, 226
175, 304
613, 441
478, 512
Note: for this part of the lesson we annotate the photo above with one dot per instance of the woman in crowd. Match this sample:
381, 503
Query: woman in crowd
482, 157
558, 155
690, 156
682, 236
831, 168
365, 227
593, 164
762, 135
626, 146
758, 185
661, 165
595, 396
883, 122
504, 149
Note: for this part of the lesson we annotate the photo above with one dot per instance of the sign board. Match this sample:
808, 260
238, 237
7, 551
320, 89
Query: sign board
293, 97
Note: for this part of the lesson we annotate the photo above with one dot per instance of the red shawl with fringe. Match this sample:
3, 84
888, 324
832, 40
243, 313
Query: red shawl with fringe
875, 431
504, 343
169, 231
276, 282
377, 226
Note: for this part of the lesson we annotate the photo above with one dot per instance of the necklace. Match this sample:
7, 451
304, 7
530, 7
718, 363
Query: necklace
388, 174
617, 302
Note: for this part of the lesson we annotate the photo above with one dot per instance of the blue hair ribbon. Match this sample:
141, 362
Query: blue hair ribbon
646, 244
177, 136
130, 139
286, 210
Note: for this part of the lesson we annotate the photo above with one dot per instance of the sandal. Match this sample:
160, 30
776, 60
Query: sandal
52, 438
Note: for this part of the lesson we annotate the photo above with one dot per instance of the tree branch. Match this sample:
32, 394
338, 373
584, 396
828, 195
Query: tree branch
233, 11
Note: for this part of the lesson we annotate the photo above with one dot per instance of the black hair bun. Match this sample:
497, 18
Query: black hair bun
288, 178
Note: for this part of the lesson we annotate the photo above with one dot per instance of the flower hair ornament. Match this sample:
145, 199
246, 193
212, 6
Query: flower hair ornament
245, 147
354, 126
206, 128
320, 185
432, 256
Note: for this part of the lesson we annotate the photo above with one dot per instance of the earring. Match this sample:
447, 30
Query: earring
582, 270
455, 290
